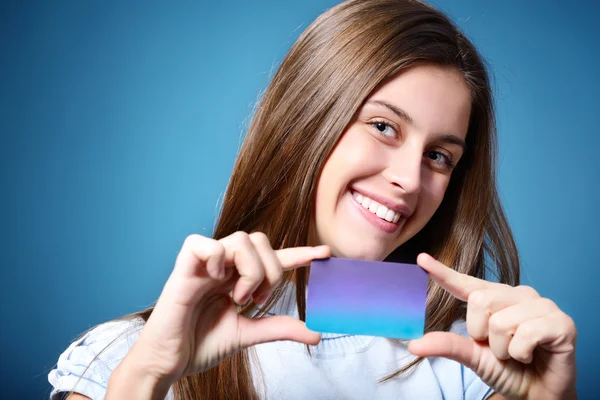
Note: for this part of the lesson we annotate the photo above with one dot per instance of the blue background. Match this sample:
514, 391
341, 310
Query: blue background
120, 124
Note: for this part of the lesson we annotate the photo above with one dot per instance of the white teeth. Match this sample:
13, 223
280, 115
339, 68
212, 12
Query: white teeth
380, 210
389, 216
373, 207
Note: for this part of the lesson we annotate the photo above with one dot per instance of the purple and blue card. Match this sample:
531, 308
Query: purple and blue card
367, 298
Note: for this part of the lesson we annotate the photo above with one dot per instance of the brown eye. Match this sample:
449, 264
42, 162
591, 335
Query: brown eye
440, 159
381, 127
384, 129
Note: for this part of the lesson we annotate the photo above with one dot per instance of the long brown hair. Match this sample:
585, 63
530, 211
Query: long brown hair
320, 85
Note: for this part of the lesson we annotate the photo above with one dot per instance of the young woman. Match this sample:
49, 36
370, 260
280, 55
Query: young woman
375, 140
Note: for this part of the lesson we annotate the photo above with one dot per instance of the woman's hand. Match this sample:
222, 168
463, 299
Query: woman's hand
522, 345
195, 324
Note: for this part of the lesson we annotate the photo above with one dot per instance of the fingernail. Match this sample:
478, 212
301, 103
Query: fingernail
244, 300
261, 299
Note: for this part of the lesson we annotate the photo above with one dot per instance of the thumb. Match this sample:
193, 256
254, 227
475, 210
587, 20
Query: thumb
449, 345
270, 329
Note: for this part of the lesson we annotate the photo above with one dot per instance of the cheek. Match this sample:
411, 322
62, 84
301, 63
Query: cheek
433, 194
430, 198
355, 156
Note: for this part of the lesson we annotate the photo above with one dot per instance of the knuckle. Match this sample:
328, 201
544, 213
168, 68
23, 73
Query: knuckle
277, 275
527, 332
519, 354
259, 238
528, 290
547, 304
480, 300
496, 324
476, 331
256, 274
191, 240
217, 249
253, 272
568, 325
241, 238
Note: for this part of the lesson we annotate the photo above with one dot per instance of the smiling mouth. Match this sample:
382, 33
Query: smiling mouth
377, 209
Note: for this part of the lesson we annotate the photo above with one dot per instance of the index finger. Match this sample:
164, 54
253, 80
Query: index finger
295, 257
458, 284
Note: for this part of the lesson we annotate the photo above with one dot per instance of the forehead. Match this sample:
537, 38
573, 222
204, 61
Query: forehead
437, 99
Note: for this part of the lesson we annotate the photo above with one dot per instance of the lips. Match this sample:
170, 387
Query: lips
378, 221
377, 209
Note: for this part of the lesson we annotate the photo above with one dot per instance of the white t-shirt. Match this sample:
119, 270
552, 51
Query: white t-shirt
340, 367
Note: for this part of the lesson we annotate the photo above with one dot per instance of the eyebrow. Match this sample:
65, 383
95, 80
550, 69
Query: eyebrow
447, 138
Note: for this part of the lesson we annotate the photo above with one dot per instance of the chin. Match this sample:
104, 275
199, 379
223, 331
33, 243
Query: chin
373, 253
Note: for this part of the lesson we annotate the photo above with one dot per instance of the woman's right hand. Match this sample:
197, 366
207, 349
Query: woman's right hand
195, 323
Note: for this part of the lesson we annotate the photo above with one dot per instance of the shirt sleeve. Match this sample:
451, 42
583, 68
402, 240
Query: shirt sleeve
473, 387
86, 365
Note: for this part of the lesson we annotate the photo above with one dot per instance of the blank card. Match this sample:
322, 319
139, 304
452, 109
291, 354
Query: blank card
366, 298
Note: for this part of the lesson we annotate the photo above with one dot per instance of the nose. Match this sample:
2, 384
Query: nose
404, 169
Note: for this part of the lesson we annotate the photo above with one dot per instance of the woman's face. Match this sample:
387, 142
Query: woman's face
390, 169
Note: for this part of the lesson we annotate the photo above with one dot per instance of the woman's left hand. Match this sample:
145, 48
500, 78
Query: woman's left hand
521, 344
